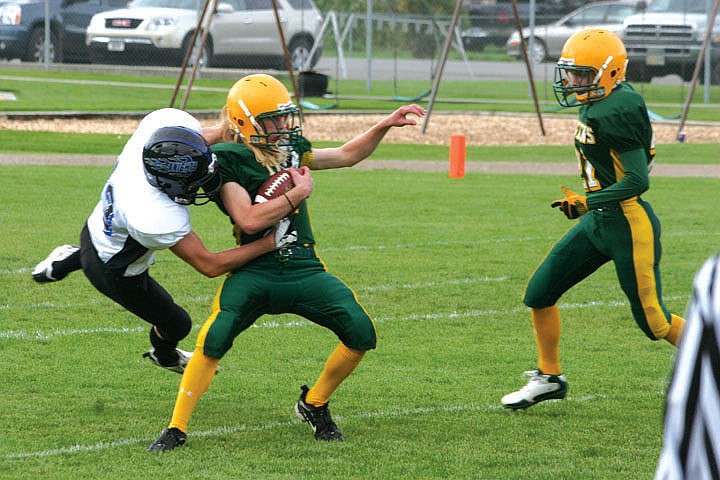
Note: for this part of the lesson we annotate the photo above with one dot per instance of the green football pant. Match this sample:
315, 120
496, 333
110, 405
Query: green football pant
300, 286
629, 235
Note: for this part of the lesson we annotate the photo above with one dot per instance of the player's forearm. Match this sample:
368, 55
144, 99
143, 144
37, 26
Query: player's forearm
212, 264
229, 260
361, 147
264, 215
634, 182
351, 153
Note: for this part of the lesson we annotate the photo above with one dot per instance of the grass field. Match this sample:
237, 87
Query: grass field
31, 142
441, 264
98, 92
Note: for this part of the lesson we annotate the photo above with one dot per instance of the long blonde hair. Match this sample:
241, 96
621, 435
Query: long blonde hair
269, 157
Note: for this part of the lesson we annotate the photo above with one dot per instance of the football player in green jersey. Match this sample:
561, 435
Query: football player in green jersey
263, 137
615, 146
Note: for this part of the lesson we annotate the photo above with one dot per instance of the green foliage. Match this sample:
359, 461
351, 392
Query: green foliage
441, 265
425, 7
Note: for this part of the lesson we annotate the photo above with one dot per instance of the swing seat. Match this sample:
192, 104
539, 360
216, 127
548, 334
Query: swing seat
413, 99
311, 106
655, 116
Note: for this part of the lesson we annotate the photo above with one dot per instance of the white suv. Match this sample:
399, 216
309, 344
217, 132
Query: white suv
243, 33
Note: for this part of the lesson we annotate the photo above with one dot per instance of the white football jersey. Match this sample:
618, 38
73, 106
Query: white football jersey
133, 219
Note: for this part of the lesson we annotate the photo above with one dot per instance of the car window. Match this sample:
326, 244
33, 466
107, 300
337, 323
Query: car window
677, 6
188, 4
301, 4
237, 5
68, 3
617, 13
589, 16
259, 4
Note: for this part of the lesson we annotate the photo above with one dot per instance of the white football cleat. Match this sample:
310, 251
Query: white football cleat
177, 367
540, 387
43, 271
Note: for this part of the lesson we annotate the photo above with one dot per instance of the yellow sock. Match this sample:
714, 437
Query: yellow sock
546, 323
195, 381
676, 328
341, 363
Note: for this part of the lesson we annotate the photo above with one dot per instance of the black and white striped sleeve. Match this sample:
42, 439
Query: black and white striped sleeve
691, 444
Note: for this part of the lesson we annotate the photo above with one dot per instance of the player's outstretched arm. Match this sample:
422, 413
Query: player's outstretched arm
212, 264
365, 144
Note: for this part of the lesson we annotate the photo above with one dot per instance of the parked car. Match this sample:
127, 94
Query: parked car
492, 21
548, 40
22, 28
667, 39
242, 33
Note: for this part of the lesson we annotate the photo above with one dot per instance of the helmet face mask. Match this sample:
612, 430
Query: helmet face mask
259, 109
179, 162
592, 63
574, 85
279, 128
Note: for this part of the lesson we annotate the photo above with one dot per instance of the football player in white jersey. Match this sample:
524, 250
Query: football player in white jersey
143, 208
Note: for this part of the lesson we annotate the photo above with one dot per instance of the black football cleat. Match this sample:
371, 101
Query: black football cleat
170, 439
318, 418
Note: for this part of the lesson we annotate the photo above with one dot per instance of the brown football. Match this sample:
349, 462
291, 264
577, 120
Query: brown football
275, 186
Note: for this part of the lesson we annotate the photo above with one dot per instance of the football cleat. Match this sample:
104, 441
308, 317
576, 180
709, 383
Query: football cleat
170, 438
540, 387
44, 271
178, 366
318, 418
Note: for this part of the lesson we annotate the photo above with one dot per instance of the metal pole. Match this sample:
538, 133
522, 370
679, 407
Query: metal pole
200, 49
523, 48
288, 61
707, 78
186, 60
531, 28
46, 45
441, 65
368, 43
698, 63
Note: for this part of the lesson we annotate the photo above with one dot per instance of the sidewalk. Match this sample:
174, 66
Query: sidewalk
524, 168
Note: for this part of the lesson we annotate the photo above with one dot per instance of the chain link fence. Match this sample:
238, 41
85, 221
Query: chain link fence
374, 44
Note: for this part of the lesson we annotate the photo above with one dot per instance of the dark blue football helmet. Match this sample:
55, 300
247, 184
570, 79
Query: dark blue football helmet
179, 162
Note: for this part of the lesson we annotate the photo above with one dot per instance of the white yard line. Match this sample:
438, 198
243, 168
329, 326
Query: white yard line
45, 335
261, 427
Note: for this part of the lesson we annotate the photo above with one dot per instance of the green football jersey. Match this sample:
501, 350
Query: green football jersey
238, 164
608, 128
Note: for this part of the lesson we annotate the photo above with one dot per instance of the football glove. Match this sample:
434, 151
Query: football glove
573, 205
285, 233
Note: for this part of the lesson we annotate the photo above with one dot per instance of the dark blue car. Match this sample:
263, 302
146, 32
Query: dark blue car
22, 28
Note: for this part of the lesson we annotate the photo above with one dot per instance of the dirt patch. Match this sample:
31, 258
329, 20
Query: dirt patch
479, 129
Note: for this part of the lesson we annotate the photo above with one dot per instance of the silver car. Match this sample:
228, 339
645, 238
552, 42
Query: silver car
242, 33
548, 40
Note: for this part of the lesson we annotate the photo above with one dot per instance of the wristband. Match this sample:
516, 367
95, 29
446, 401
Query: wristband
293, 207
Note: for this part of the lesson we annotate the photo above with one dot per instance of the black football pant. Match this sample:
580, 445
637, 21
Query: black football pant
141, 295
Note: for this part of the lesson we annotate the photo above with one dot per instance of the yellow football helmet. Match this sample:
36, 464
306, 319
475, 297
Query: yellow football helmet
593, 61
259, 108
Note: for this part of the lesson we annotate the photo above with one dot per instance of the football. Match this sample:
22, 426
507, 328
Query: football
275, 186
